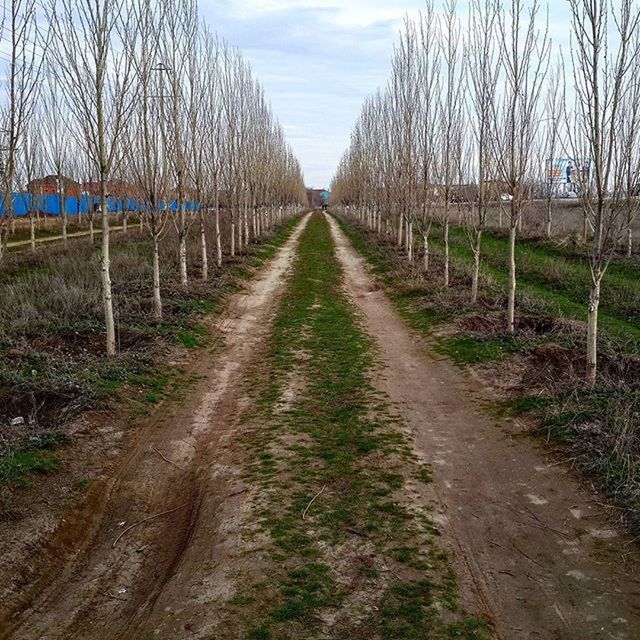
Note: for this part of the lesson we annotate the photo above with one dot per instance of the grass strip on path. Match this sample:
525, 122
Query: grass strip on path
351, 554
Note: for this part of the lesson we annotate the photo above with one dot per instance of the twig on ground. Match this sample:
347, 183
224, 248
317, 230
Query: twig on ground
106, 594
356, 532
167, 459
135, 524
304, 513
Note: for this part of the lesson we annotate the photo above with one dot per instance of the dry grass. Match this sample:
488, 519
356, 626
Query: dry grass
52, 363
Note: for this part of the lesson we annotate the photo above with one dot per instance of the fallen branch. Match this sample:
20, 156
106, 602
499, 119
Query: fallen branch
106, 594
135, 524
167, 459
356, 532
304, 513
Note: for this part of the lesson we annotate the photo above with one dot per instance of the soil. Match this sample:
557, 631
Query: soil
156, 548
152, 548
534, 552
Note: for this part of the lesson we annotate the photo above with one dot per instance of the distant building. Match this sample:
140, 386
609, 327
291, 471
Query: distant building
52, 185
115, 188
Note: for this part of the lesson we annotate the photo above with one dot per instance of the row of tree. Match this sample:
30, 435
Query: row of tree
144, 92
479, 112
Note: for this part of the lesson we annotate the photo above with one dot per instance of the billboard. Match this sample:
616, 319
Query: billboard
568, 171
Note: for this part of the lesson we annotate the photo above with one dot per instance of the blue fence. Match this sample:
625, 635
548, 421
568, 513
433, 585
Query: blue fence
24, 203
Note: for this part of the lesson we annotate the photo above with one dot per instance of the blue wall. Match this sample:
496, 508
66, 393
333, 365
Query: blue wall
50, 204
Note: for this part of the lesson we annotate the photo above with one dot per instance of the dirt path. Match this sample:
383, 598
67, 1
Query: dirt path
533, 552
148, 554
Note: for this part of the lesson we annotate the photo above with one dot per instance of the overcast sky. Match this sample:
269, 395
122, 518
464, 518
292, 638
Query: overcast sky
319, 59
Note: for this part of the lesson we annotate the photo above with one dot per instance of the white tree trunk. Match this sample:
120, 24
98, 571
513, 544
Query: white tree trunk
218, 238
475, 276
32, 232
446, 252
203, 248
182, 250
426, 252
233, 234
246, 223
549, 219
107, 295
592, 330
157, 298
511, 305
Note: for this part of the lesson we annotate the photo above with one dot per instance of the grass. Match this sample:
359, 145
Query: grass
464, 350
30, 456
560, 281
598, 428
52, 365
336, 454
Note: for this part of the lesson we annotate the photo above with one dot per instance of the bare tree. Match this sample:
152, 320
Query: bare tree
602, 63
525, 55
554, 108
28, 46
97, 76
57, 142
29, 168
450, 117
483, 68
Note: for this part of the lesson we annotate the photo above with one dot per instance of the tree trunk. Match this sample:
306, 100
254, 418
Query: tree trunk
203, 248
63, 212
233, 234
157, 298
182, 250
592, 330
32, 231
511, 305
124, 221
107, 295
426, 252
475, 277
585, 222
218, 238
91, 230
549, 218
629, 240
409, 240
446, 252
400, 230
246, 222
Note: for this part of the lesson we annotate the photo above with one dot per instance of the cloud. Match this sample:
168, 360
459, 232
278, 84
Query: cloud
318, 60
